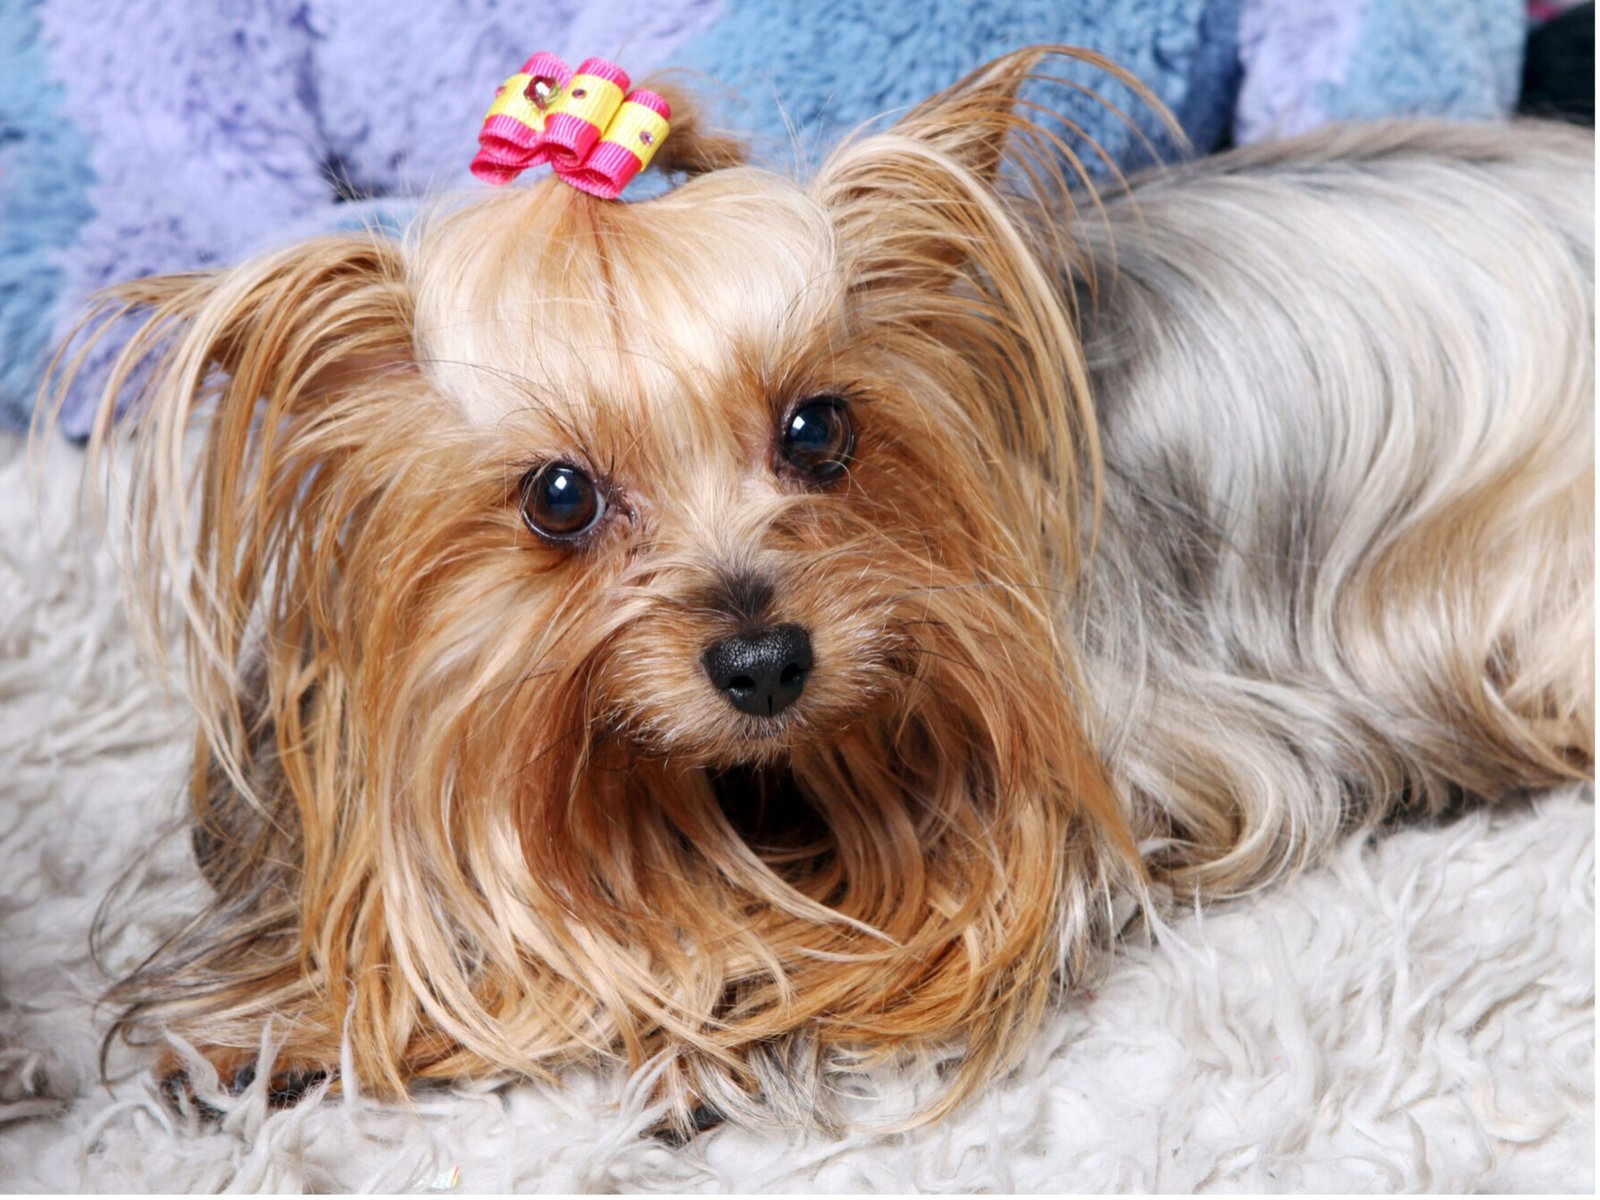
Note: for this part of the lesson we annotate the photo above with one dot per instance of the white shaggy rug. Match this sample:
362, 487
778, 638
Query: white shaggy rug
1416, 1015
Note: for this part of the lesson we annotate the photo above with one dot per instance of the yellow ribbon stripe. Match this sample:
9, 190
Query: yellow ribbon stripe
638, 129
512, 101
590, 98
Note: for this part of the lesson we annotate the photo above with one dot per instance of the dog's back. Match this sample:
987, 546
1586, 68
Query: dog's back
1345, 392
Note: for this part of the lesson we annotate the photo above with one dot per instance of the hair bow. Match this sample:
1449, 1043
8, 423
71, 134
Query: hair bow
595, 133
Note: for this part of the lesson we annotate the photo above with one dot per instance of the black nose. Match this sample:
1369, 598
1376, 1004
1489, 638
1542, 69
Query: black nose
764, 672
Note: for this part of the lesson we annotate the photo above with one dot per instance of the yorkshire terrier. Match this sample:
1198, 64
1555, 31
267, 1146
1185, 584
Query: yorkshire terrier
774, 627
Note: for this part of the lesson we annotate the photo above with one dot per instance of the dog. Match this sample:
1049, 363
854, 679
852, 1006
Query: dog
772, 628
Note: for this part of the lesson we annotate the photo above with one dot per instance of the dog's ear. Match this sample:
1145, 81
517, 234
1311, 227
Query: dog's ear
989, 152
953, 234
900, 198
243, 393
967, 124
283, 329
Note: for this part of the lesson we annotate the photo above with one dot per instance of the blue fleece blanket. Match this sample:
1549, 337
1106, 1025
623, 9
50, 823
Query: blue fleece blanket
143, 136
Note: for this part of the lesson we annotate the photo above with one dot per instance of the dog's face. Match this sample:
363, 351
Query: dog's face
704, 468
737, 513
655, 612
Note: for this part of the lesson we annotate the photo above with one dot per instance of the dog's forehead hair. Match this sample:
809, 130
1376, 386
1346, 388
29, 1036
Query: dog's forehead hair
543, 308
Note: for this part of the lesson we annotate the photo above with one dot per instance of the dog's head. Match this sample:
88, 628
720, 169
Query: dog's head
652, 615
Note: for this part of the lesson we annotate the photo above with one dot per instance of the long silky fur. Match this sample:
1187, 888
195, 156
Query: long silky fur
1220, 513
1345, 568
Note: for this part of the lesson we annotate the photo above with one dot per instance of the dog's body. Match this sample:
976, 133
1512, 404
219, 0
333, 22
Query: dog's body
1344, 387
1164, 542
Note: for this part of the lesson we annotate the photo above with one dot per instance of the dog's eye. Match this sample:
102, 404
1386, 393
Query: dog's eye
560, 503
818, 437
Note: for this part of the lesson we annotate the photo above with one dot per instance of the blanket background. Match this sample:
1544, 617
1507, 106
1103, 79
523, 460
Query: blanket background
142, 136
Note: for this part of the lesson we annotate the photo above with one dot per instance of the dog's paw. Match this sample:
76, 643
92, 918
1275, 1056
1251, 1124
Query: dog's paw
702, 1117
236, 1072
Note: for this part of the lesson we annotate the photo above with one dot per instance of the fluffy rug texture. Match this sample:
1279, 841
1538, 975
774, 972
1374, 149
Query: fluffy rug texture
143, 136
1417, 1014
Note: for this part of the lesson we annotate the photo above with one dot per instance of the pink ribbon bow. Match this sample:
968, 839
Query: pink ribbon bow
595, 134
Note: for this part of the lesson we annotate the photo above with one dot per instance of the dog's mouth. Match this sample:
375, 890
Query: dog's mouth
771, 814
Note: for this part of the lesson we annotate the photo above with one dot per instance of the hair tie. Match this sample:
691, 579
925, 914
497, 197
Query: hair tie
595, 133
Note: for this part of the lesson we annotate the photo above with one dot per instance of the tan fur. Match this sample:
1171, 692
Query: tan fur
468, 800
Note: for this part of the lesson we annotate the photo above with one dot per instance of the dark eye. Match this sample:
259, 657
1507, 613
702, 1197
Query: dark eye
560, 503
818, 437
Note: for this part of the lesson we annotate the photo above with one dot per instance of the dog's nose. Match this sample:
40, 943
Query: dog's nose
761, 673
